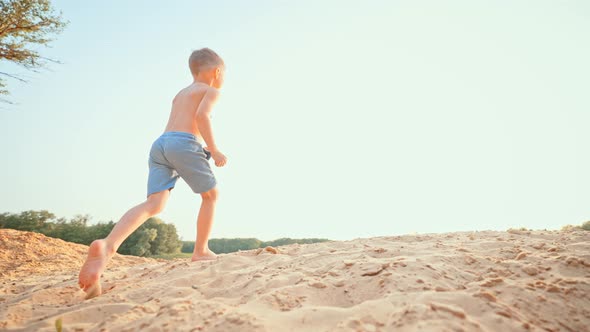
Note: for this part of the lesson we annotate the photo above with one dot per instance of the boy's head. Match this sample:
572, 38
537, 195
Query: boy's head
208, 65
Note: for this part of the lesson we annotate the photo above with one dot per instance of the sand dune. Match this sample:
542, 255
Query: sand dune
462, 281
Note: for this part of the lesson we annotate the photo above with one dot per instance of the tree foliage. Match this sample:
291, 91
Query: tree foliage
154, 237
139, 242
167, 240
25, 25
224, 245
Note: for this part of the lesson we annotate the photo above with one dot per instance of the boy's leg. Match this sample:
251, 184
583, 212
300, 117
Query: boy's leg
101, 251
187, 156
204, 223
135, 217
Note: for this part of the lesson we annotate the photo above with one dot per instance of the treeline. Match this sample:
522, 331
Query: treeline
223, 246
154, 237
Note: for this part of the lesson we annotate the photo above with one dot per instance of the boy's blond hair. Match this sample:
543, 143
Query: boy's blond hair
204, 58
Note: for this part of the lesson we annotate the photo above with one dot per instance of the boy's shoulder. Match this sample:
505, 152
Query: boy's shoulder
202, 86
197, 91
204, 89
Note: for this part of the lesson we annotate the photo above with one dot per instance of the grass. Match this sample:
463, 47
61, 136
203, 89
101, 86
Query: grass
58, 325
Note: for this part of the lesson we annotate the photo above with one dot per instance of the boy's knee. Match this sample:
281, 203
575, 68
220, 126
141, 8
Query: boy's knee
211, 194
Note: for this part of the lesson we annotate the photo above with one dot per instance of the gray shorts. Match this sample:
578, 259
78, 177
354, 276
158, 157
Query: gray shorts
178, 154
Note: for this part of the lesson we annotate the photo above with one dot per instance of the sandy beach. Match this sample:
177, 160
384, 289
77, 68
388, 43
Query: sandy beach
515, 280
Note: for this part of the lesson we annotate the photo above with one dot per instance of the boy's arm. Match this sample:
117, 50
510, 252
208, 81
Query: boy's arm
203, 117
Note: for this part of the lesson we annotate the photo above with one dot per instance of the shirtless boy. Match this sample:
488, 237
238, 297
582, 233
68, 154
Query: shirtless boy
178, 152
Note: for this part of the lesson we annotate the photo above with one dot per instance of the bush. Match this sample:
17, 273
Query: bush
569, 228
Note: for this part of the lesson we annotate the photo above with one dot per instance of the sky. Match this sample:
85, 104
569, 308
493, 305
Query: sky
339, 119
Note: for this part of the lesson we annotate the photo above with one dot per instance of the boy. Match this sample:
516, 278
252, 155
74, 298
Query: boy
176, 153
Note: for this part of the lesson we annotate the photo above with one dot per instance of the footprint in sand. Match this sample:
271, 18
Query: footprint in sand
492, 282
530, 270
486, 295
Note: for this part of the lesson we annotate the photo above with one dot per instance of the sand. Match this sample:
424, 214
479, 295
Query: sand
463, 281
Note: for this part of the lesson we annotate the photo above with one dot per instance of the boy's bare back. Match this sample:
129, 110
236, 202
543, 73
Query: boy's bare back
183, 115
191, 113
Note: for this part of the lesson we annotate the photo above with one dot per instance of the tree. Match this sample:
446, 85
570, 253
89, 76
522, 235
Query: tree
99, 230
232, 245
25, 24
141, 241
31, 221
153, 237
76, 230
167, 240
188, 246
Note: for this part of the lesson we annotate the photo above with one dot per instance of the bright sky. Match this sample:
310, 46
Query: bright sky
340, 119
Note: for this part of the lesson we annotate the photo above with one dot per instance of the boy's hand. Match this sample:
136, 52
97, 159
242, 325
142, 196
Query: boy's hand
220, 158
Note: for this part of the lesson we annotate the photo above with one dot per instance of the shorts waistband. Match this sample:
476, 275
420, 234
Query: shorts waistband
179, 134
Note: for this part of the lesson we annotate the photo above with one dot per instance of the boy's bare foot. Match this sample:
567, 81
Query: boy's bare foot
89, 277
206, 256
